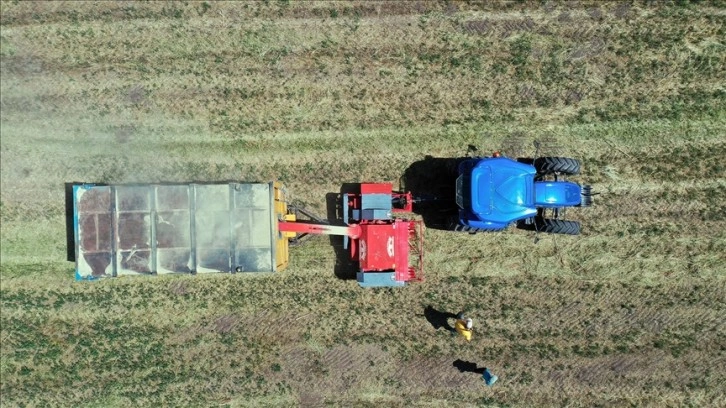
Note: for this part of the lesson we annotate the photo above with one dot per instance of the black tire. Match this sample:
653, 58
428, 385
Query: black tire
467, 229
551, 226
472, 230
462, 228
586, 196
561, 165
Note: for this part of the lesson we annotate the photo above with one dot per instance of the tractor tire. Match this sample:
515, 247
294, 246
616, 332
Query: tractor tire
472, 230
551, 226
560, 165
586, 196
464, 228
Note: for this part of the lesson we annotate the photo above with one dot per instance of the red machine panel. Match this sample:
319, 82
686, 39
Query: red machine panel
376, 188
377, 247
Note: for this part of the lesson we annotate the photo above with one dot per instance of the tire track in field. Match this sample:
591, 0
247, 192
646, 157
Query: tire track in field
614, 310
342, 359
641, 335
626, 373
430, 373
332, 372
255, 326
688, 203
340, 369
611, 369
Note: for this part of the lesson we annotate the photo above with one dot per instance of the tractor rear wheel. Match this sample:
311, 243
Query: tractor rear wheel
464, 228
472, 230
551, 226
561, 165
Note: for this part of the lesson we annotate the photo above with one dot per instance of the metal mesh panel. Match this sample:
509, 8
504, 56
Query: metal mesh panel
173, 228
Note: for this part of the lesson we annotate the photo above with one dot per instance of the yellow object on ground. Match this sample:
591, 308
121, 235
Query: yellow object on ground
460, 327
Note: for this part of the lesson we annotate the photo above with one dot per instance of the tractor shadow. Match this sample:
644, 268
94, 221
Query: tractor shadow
70, 232
432, 181
439, 319
345, 268
468, 367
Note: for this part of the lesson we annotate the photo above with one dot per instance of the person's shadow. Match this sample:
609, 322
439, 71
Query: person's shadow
468, 367
439, 319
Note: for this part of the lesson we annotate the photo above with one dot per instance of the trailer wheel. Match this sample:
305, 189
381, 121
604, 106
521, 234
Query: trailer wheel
551, 226
561, 165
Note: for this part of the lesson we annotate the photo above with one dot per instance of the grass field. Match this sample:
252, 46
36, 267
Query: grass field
316, 94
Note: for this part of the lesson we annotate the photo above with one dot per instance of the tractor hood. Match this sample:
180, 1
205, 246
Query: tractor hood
502, 190
550, 194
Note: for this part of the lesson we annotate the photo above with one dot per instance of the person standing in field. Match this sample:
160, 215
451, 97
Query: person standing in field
488, 377
464, 326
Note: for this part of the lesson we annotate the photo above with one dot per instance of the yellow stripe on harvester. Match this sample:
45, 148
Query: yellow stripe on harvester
282, 246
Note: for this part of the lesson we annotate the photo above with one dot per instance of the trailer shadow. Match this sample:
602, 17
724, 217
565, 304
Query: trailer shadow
432, 182
70, 234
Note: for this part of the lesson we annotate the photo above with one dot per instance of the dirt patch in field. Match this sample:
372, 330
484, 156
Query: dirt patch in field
22, 65
341, 372
225, 324
316, 374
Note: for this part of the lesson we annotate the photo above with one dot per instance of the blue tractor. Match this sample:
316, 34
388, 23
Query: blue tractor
495, 192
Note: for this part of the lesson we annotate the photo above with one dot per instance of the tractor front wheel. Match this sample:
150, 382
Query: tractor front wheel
551, 226
560, 165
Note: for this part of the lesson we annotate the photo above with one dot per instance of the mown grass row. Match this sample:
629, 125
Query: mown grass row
407, 70
662, 202
613, 154
534, 327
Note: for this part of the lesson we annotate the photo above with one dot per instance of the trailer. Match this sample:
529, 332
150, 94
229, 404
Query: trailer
235, 227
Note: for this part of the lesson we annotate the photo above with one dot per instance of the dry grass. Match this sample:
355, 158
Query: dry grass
316, 94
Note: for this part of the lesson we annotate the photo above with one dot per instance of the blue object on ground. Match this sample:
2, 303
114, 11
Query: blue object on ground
489, 378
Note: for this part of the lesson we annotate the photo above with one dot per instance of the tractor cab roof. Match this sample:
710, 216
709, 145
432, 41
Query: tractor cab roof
502, 190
